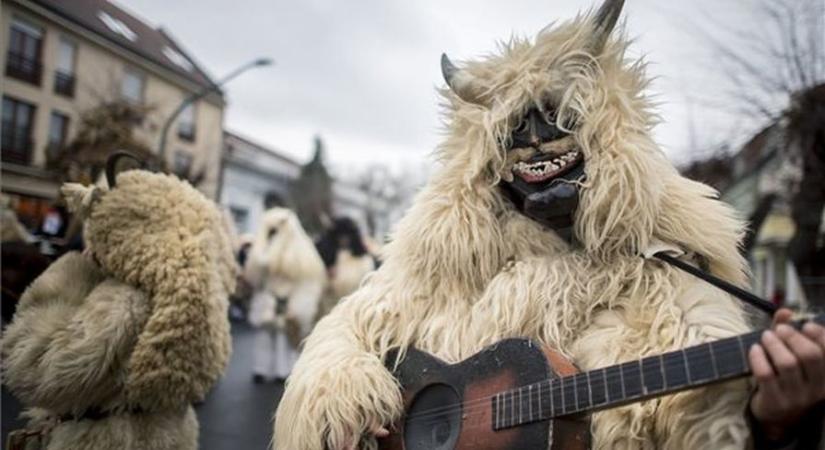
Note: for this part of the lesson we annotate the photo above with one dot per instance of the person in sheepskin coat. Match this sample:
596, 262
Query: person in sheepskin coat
347, 260
551, 191
110, 348
287, 275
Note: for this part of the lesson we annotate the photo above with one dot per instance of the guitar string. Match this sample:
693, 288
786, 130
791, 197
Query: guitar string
722, 347
571, 385
736, 344
557, 389
474, 407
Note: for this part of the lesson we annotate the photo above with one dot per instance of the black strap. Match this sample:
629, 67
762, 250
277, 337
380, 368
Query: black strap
741, 294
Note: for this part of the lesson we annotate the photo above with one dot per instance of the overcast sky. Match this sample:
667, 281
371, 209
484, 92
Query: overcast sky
363, 74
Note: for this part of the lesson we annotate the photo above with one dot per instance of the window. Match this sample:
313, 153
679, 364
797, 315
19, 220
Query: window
58, 129
186, 123
18, 121
177, 58
64, 72
23, 58
117, 26
132, 87
183, 163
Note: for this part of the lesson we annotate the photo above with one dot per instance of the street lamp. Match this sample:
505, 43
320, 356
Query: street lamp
260, 62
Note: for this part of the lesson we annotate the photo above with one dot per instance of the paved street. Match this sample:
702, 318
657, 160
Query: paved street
237, 414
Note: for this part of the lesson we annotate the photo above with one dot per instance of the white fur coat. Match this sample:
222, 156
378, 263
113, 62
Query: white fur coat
283, 262
465, 269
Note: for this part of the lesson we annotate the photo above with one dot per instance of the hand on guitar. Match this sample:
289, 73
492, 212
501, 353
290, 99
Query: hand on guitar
376, 430
789, 367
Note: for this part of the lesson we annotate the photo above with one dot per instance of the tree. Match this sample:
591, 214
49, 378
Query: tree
776, 75
102, 130
766, 66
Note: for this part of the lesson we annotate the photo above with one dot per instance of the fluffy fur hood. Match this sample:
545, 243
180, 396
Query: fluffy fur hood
462, 227
160, 235
282, 249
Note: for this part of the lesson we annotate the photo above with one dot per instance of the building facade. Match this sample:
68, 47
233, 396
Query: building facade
62, 58
252, 172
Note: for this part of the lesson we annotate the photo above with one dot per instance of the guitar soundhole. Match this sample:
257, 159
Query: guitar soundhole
433, 420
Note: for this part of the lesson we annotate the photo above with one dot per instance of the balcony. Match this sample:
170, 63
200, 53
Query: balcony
64, 84
23, 68
17, 145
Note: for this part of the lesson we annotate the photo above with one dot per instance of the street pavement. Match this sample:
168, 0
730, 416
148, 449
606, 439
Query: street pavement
237, 414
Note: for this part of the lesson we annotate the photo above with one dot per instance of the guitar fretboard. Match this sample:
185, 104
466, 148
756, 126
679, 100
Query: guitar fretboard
625, 383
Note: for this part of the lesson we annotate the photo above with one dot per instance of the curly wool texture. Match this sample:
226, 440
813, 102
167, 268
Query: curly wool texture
141, 334
464, 269
67, 352
162, 236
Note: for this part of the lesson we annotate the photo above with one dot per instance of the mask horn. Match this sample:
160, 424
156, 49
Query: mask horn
604, 21
460, 82
112, 168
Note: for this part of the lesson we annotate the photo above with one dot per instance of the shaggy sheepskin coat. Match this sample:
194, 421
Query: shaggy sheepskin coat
465, 269
117, 343
347, 273
283, 262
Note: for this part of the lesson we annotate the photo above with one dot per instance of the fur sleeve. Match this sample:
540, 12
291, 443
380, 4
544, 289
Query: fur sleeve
339, 386
67, 280
68, 357
703, 418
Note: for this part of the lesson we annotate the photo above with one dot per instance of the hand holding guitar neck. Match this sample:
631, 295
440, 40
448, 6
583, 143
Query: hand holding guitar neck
514, 393
789, 367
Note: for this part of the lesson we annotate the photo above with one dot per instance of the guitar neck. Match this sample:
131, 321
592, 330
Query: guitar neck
627, 382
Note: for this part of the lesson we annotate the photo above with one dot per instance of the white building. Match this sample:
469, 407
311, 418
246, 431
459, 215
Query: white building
252, 171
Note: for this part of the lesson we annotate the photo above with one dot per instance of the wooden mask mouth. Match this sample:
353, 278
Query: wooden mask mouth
553, 201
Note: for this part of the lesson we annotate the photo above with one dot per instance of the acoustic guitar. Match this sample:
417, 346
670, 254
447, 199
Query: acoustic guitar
517, 395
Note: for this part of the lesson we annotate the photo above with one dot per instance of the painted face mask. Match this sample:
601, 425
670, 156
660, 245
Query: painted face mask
545, 167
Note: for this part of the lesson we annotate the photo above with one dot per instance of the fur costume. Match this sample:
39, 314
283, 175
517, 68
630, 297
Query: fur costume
465, 268
347, 259
288, 277
118, 343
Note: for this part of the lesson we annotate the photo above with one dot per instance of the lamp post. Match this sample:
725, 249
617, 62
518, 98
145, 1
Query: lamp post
260, 62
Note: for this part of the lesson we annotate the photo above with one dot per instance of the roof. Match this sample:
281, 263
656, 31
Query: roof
122, 28
229, 135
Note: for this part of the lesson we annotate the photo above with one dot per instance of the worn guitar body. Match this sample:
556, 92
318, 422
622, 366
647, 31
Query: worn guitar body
432, 388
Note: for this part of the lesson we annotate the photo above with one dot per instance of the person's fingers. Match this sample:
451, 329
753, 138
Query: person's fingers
760, 366
380, 432
807, 351
816, 333
782, 315
784, 361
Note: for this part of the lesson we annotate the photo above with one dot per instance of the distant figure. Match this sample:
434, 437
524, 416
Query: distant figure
21, 261
347, 260
287, 276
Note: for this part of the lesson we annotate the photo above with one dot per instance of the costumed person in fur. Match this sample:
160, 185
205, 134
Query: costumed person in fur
551, 190
288, 278
347, 260
110, 348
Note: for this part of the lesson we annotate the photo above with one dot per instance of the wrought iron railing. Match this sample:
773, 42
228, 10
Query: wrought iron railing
16, 144
23, 68
64, 84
